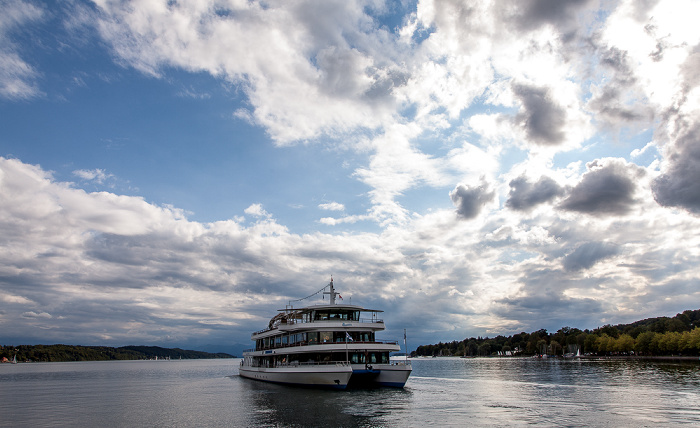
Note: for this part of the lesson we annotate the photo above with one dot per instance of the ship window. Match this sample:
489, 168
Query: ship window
326, 336
278, 339
312, 337
343, 315
285, 340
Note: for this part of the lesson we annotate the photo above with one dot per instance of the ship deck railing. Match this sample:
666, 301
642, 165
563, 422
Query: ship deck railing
303, 364
323, 363
301, 321
294, 345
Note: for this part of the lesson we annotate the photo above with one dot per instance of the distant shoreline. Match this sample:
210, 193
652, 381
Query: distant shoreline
642, 357
684, 358
67, 353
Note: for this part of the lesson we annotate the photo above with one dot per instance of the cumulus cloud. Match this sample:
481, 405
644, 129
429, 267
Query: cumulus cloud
607, 188
525, 195
679, 184
256, 210
542, 119
618, 101
317, 69
534, 14
470, 200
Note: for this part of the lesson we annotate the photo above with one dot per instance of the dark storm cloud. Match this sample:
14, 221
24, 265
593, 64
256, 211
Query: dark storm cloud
679, 186
607, 188
155, 259
610, 109
470, 200
617, 60
542, 303
542, 119
588, 254
525, 195
534, 14
616, 102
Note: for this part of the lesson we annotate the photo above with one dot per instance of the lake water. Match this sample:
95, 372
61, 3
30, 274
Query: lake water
441, 391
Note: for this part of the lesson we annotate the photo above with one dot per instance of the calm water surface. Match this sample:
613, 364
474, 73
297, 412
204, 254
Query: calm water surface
441, 391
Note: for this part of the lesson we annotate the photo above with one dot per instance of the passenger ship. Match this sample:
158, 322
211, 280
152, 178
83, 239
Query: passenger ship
330, 345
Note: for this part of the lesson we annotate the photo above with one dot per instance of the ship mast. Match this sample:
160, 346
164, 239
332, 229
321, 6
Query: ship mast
332, 292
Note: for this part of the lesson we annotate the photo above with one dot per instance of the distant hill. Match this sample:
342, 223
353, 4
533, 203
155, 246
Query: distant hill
55, 353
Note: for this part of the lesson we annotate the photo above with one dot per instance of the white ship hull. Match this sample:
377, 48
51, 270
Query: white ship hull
392, 375
334, 376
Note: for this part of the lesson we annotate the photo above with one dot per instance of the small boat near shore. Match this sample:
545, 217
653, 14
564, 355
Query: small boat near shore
330, 345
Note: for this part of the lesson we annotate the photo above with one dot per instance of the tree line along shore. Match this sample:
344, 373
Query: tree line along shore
652, 337
63, 353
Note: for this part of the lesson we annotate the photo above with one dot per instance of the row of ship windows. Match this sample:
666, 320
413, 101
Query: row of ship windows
312, 338
352, 357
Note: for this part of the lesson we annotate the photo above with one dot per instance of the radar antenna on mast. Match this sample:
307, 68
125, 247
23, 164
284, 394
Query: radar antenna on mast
332, 292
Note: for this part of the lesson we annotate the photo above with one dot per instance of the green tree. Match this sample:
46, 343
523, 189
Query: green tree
692, 344
624, 343
604, 344
590, 343
643, 344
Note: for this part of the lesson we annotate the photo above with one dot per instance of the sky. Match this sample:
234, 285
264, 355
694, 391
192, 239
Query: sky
174, 172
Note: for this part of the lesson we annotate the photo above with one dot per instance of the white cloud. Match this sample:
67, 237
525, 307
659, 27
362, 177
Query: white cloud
97, 175
316, 69
256, 210
639, 152
332, 206
9, 298
36, 315
184, 279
